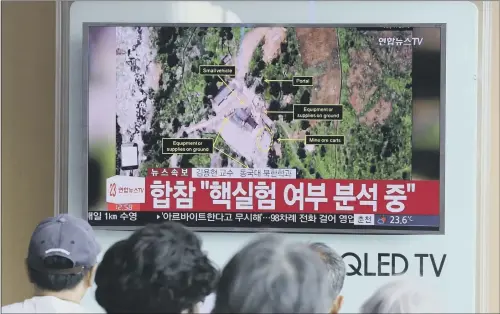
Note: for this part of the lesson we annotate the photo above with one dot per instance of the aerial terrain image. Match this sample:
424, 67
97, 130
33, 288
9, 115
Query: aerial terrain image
249, 114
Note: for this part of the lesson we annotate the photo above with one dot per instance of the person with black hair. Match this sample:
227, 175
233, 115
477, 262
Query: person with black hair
160, 268
61, 261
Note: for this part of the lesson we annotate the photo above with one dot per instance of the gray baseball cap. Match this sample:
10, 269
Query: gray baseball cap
65, 236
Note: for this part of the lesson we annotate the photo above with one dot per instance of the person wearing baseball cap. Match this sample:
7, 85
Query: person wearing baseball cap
61, 262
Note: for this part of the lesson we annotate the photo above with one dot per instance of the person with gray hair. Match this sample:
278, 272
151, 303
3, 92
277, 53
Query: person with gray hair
270, 275
400, 297
336, 273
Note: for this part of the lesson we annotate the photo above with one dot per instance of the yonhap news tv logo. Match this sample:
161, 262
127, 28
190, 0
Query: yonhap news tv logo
125, 190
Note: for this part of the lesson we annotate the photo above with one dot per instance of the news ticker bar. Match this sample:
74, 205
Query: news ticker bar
223, 173
273, 220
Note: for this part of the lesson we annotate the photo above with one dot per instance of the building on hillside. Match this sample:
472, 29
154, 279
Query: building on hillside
224, 92
243, 117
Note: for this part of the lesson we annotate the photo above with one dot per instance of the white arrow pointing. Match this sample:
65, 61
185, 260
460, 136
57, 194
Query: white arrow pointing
158, 216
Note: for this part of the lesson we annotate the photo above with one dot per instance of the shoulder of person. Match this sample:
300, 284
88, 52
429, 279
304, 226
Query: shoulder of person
208, 304
44, 305
25, 306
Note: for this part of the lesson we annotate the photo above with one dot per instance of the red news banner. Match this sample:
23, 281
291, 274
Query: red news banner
281, 195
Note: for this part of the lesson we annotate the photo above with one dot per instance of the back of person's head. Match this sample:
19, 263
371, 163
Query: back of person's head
158, 269
400, 297
270, 275
336, 272
62, 255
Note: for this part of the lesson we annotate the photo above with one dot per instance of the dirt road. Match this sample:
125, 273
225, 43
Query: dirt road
273, 37
319, 49
248, 45
272, 45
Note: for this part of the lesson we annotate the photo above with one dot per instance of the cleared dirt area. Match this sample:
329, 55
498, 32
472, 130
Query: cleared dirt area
363, 73
378, 114
272, 43
319, 48
316, 44
327, 88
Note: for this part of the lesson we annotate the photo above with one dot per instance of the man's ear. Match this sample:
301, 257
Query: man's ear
337, 305
27, 269
89, 278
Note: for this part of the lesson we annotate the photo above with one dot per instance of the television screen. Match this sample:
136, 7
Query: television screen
266, 127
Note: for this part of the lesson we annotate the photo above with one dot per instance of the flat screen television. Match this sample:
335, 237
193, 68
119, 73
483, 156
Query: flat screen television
308, 128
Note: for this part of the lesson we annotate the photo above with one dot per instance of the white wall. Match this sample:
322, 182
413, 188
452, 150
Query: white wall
456, 284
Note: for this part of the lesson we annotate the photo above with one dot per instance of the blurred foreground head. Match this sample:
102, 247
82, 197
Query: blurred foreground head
270, 275
158, 269
336, 273
400, 297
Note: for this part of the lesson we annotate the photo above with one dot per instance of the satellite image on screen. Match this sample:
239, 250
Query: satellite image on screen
242, 127
328, 102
